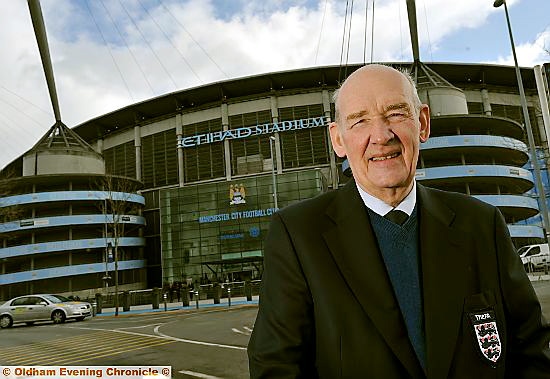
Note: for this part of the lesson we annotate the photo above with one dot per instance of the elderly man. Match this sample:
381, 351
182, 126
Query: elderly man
350, 290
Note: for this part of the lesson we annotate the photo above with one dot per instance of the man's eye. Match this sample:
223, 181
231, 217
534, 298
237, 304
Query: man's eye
397, 114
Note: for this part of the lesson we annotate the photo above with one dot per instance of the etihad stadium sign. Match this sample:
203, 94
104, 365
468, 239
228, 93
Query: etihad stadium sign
249, 131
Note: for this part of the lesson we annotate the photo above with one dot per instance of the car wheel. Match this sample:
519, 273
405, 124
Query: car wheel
6, 321
58, 317
30, 323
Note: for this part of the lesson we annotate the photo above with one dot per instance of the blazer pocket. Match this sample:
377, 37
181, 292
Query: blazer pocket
479, 301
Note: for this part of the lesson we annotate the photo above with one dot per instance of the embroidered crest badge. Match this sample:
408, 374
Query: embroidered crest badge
486, 332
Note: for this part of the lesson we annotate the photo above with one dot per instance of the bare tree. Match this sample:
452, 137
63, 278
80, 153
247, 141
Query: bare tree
9, 210
118, 210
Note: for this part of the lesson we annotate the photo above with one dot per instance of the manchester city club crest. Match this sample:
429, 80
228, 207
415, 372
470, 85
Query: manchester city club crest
486, 333
237, 194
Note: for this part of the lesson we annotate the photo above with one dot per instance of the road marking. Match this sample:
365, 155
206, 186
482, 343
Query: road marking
98, 345
142, 326
130, 318
167, 337
247, 333
197, 342
198, 374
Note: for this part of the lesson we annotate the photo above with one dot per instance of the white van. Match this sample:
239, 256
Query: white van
534, 257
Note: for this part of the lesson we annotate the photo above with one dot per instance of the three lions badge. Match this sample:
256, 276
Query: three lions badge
486, 333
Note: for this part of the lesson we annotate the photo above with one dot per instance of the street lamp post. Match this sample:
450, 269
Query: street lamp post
531, 140
108, 259
273, 176
116, 270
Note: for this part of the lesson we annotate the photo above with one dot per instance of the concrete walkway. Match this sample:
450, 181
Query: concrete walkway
538, 276
174, 306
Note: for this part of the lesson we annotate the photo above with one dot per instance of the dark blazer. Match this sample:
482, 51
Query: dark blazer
327, 308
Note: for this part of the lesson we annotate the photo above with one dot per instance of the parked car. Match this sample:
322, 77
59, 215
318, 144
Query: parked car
43, 307
534, 257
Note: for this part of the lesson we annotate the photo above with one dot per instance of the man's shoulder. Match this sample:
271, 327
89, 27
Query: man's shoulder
458, 201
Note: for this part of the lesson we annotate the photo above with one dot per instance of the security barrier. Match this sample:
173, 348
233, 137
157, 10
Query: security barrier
155, 296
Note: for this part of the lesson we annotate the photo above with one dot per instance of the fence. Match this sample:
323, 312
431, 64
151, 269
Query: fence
542, 269
206, 291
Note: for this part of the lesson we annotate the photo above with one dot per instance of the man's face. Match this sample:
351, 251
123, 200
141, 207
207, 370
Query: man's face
380, 130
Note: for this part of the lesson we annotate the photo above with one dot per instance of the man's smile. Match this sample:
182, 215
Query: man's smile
383, 158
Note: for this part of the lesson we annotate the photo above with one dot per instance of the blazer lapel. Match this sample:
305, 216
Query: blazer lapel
443, 280
353, 245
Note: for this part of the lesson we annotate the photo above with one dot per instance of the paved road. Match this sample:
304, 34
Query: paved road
209, 343
542, 288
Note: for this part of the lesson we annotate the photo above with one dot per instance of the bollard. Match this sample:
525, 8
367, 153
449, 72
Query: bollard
99, 302
155, 294
197, 298
94, 309
248, 290
229, 296
126, 301
185, 296
546, 268
165, 306
216, 292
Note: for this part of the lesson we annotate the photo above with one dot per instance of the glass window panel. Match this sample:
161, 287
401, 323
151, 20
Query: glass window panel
303, 148
206, 161
215, 249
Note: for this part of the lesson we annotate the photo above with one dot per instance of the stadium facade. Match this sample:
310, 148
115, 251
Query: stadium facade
216, 161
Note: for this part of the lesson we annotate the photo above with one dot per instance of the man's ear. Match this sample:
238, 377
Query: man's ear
424, 119
336, 139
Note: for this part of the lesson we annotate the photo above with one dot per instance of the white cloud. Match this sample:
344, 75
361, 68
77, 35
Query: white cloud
265, 36
532, 53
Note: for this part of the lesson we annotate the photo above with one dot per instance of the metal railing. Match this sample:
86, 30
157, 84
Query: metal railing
225, 290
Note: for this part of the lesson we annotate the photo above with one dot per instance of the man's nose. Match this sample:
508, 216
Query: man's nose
381, 133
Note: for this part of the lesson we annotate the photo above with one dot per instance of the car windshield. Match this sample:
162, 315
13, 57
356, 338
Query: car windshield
56, 298
522, 249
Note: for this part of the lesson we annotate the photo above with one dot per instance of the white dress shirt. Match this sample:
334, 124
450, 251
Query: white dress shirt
380, 207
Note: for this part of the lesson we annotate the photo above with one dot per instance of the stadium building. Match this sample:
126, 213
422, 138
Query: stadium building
66, 225
216, 161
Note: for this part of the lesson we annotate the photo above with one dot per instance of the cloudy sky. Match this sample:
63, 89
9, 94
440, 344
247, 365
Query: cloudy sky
111, 53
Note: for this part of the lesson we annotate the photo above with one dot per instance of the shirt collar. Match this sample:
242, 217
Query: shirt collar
380, 207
